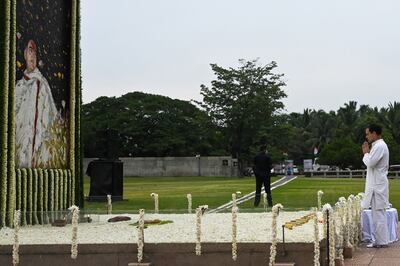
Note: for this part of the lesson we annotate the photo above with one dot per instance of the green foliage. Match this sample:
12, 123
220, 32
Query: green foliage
151, 125
342, 152
241, 101
339, 135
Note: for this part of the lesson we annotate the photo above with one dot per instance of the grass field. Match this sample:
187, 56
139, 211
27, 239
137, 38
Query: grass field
214, 191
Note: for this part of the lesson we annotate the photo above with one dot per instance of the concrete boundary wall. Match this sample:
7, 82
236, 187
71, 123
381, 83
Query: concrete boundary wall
177, 166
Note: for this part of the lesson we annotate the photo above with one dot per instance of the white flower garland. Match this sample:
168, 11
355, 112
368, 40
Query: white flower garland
234, 203
332, 253
4, 107
339, 213
15, 252
198, 232
234, 232
316, 238
343, 219
199, 213
74, 241
155, 197
357, 219
275, 213
234, 226
359, 199
109, 204
140, 243
189, 198
328, 209
349, 222
319, 196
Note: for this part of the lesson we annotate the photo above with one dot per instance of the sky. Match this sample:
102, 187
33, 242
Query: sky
330, 52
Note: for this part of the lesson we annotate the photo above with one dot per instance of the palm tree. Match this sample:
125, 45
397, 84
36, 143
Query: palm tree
391, 119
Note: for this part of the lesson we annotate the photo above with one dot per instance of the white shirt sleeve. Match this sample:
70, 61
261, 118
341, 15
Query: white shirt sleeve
372, 158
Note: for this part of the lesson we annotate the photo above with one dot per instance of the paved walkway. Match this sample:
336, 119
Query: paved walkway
389, 256
283, 181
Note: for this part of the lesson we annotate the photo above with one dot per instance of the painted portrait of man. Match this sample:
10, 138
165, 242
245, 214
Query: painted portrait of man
36, 115
42, 86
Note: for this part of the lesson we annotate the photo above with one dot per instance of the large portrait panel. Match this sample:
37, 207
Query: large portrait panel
42, 93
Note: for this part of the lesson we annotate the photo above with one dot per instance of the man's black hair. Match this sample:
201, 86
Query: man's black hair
263, 147
375, 128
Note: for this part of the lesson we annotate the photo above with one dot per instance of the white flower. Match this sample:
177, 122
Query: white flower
275, 213
189, 198
332, 254
74, 243
339, 220
316, 239
140, 242
203, 208
234, 204
155, 197
109, 204
319, 196
234, 233
198, 231
15, 252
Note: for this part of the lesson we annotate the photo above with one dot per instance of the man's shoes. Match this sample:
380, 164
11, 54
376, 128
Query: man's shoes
373, 245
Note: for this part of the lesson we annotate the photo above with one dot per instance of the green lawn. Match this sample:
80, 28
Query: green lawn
214, 191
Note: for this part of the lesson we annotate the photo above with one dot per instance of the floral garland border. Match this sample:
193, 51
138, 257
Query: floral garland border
15, 183
11, 109
4, 113
72, 103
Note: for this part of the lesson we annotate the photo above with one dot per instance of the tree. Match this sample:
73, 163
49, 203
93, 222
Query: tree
342, 152
151, 125
241, 101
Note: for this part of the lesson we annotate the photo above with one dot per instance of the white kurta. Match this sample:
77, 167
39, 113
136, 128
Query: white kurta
377, 185
377, 189
35, 114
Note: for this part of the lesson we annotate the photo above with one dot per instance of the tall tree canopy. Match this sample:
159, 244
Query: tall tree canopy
242, 101
151, 125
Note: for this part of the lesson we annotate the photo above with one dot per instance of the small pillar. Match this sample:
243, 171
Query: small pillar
339, 262
348, 252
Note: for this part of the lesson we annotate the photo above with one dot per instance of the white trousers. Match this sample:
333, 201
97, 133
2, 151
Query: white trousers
381, 231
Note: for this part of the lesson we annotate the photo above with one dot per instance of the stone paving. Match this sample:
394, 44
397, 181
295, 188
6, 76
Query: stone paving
388, 256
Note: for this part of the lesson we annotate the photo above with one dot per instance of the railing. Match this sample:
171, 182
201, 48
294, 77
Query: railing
347, 173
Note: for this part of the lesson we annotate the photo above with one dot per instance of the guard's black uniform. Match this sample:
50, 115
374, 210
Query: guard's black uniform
262, 171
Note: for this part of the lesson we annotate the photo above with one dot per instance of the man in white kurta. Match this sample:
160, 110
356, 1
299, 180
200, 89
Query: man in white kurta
377, 186
35, 114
